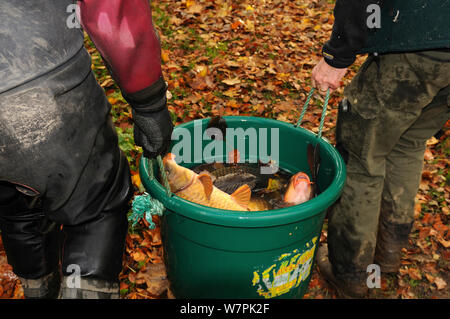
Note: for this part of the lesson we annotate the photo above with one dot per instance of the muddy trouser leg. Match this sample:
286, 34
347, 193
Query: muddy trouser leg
31, 241
386, 100
83, 182
93, 234
93, 241
403, 174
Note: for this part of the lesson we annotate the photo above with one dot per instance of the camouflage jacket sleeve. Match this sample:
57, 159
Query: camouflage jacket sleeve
349, 32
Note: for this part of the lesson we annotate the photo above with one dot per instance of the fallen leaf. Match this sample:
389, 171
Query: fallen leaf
284, 106
135, 178
156, 238
428, 156
123, 285
232, 64
446, 254
139, 256
107, 82
432, 141
427, 217
431, 268
231, 81
165, 56
195, 8
250, 25
424, 186
445, 243
282, 117
414, 273
201, 83
429, 278
417, 210
235, 25
440, 283
112, 100
155, 277
424, 232
202, 70
439, 226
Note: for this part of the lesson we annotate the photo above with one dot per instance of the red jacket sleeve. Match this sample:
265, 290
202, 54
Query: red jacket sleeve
123, 33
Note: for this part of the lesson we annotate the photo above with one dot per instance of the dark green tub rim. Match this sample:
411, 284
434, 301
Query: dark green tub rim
270, 218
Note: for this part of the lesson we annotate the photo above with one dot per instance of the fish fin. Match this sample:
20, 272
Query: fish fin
242, 195
205, 172
207, 182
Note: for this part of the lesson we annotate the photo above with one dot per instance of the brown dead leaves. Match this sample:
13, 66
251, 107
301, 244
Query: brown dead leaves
10, 287
426, 261
245, 58
144, 274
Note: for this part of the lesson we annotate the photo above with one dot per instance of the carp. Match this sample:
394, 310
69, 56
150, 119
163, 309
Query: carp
299, 190
199, 188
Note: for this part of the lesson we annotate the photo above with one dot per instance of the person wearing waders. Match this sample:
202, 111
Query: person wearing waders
398, 99
65, 185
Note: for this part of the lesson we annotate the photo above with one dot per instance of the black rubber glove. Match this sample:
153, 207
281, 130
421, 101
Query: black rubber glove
152, 122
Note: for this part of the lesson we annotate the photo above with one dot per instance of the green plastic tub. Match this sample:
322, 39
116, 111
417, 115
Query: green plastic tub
213, 253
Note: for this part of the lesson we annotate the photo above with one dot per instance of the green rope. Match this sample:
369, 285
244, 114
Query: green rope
144, 206
305, 106
324, 111
150, 161
164, 177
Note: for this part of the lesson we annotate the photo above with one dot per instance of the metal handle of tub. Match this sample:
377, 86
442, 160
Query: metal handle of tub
324, 111
145, 206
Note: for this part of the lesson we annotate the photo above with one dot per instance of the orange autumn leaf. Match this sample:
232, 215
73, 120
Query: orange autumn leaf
136, 180
235, 25
428, 156
440, 283
138, 256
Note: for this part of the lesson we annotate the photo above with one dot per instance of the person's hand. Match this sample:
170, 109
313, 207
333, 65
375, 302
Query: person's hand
326, 77
152, 122
153, 131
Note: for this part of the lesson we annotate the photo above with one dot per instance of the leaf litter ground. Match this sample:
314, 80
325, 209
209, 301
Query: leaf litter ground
255, 58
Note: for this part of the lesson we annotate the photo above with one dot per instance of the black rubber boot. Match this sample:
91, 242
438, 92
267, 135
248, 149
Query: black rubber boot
391, 238
88, 288
46, 287
31, 242
345, 289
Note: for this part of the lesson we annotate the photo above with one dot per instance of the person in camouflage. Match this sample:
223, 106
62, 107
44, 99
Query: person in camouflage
399, 98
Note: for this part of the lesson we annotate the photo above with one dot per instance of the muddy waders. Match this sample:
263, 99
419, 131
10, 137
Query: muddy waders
65, 185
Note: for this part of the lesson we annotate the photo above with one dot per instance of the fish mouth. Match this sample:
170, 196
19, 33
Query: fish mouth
300, 177
168, 157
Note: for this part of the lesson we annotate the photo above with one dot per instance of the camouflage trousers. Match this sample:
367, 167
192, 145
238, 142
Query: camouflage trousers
392, 106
